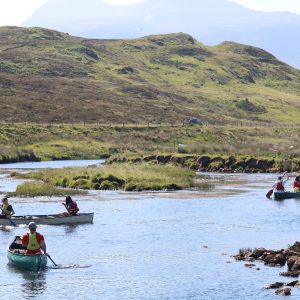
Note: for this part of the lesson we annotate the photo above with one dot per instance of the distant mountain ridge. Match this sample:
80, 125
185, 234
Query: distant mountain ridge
212, 22
50, 76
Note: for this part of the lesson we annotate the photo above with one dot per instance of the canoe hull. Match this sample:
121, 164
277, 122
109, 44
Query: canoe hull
50, 219
286, 195
27, 262
17, 257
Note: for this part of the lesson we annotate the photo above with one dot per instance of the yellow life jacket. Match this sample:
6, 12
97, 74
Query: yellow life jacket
33, 243
4, 209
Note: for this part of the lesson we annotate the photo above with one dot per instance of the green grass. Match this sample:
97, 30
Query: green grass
24, 142
129, 177
41, 189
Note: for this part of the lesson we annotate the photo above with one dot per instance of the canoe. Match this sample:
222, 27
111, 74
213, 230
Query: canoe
50, 219
286, 195
17, 257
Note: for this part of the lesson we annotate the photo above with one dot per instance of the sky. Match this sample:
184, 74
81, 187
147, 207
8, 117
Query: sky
15, 12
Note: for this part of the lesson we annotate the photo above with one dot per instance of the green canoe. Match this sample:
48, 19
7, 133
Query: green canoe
16, 256
286, 195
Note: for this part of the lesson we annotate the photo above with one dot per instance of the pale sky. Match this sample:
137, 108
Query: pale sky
15, 12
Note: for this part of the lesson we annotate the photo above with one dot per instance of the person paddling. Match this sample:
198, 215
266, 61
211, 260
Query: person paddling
34, 241
279, 185
297, 184
71, 206
7, 209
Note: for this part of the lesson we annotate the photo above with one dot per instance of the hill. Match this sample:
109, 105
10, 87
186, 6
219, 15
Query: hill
208, 21
49, 76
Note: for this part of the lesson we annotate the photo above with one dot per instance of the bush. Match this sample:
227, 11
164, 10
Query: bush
108, 185
80, 184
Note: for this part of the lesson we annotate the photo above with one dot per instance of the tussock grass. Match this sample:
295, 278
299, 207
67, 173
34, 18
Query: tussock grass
130, 177
30, 189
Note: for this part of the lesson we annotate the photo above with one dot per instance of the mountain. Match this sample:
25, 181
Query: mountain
50, 76
212, 22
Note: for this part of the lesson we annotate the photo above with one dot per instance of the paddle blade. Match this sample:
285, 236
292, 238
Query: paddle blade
269, 193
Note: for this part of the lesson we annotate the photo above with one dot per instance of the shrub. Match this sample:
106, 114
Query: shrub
108, 185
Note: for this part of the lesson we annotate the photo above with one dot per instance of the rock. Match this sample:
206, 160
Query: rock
264, 164
257, 253
291, 261
292, 283
284, 292
250, 265
163, 159
295, 247
296, 265
275, 259
290, 274
251, 163
126, 70
230, 161
275, 285
203, 161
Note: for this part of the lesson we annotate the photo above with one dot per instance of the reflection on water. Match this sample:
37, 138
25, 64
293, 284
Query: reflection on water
71, 228
33, 283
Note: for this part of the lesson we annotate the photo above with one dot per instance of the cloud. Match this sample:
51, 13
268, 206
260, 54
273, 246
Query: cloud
14, 12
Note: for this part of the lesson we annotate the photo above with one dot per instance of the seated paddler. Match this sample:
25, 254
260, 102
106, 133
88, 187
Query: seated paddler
33, 241
6, 209
71, 206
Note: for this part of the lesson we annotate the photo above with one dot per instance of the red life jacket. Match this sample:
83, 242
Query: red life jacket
279, 186
296, 184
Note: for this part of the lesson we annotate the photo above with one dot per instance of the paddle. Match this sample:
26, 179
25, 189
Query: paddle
52, 260
71, 266
269, 193
10, 220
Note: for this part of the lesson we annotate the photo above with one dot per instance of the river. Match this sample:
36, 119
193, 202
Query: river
162, 245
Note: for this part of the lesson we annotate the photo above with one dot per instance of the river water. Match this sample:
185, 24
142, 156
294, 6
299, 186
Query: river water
157, 245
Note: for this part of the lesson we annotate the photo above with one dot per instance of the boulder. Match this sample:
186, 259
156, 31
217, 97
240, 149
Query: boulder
203, 161
296, 265
275, 285
257, 253
275, 258
251, 163
290, 274
284, 292
293, 283
291, 261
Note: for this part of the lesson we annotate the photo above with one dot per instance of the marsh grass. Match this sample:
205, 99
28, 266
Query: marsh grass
130, 177
30, 189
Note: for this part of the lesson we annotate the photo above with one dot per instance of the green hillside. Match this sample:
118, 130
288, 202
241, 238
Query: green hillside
48, 76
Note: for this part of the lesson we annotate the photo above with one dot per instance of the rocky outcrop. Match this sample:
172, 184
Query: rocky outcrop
224, 164
289, 257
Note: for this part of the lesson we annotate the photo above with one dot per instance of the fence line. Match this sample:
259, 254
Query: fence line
152, 125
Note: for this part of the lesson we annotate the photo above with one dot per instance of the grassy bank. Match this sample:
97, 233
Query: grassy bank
24, 142
42, 189
129, 177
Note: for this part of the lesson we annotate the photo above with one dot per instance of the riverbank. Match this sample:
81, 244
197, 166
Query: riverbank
38, 142
225, 164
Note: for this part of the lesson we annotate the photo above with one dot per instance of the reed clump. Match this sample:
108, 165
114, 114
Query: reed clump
127, 176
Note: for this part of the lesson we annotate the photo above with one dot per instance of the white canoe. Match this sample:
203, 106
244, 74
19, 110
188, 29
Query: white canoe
49, 219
